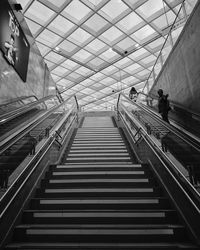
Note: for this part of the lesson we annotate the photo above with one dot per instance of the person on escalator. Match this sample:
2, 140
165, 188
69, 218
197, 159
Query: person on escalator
133, 94
33, 143
163, 105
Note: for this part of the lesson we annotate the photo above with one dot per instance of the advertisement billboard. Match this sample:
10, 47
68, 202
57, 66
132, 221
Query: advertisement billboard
13, 43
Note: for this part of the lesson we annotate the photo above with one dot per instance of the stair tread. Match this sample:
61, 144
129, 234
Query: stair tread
101, 245
96, 180
95, 190
101, 227
101, 212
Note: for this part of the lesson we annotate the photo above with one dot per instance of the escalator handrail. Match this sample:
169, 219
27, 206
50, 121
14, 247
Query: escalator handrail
173, 103
50, 141
179, 174
27, 128
18, 99
19, 111
167, 126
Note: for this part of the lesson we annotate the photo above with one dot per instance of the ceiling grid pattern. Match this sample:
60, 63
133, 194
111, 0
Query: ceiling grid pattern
98, 48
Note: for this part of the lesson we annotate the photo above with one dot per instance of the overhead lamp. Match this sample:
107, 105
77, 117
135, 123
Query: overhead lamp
57, 49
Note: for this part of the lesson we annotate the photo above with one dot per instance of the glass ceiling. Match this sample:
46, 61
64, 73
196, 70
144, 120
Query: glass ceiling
98, 48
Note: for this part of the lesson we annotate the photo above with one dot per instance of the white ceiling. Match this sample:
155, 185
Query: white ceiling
98, 48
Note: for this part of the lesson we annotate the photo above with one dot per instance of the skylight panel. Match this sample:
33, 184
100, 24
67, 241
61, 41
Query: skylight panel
60, 71
129, 22
67, 46
114, 8
150, 7
143, 33
48, 38
69, 64
96, 23
82, 56
54, 57
79, 36
112, 34
96, 45
61, 25
39, 13
76, 10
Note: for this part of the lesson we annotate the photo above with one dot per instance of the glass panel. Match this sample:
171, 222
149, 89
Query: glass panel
39, 13
108, 55
96, 23
60, 71
57, 3
129, 22
150, 7
132, 68
76, 10
48, 38
112, 34
69, 64
82, 56
53, 57
60, 25
67, 46
143, 33
87, 91
114, 8
87, 82
79, 36
96, 45
158, 43
126, 44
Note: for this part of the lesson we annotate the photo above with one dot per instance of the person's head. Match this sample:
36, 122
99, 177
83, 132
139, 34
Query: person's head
133, 90
12, 39
160, 92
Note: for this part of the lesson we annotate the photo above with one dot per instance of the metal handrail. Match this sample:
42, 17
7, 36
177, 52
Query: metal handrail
14, 113
18, 99
179, 173
48, 143
28, 128
173, 103
167, 126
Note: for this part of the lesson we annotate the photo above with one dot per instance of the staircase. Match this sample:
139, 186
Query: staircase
99, 198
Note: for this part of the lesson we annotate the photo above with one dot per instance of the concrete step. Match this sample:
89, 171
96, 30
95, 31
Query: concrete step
97, 217
100, 203
99, 233
100, 246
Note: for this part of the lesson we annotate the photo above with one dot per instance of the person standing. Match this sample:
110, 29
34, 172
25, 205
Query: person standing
163, 105
133, 94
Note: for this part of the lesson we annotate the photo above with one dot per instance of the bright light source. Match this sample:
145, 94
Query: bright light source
57, 48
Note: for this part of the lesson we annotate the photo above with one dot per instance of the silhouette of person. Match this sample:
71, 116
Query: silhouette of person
163, 105
133, 94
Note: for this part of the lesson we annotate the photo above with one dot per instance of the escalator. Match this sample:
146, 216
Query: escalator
101, 197
12, 157
182, 146
179, 115
18, 122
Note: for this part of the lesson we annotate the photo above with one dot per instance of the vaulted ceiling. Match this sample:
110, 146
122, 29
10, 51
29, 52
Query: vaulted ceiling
98, 48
